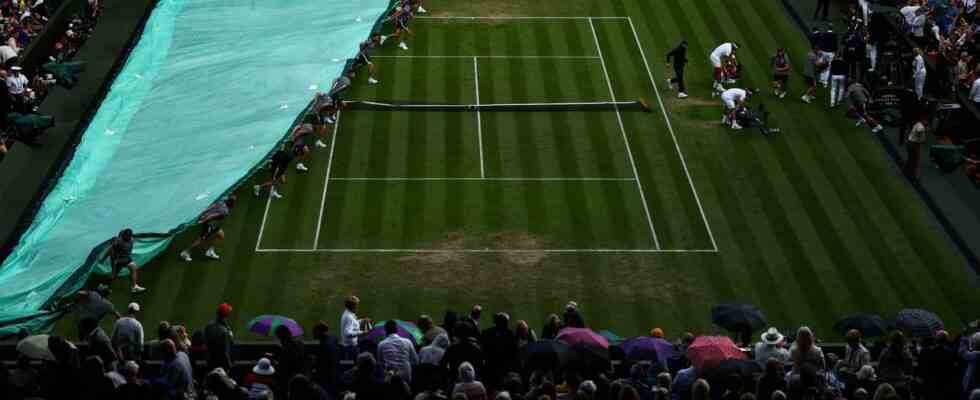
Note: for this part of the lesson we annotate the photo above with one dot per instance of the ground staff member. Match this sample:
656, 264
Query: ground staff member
917, 136
679, 55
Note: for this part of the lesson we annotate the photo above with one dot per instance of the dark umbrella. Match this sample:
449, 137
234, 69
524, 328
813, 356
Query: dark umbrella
547, 354
738, 317
870, 325
917, 322
742, 368
643, 348
592, 357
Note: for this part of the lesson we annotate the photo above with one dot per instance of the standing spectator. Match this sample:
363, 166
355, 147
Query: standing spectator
524, 334
781, 69
679, 56
700, 390
551, 327
917, 136
828, 47
429, 329
805, 354
838, 80
94, 305
8, 54
771, 347
17, 85
970, 352
127, 335
292, 354
895, 362
219, 339
121, 256
938, 367
823, 6
500, 345
855, 355
363, 378
919, 72
572, 318
176, 371
432, 354
474, 317
683, 382
327, 357
465, 348
99, 343
396, 353
468, 385
350, 327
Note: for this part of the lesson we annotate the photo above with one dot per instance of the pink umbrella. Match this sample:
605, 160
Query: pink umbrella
709, 351
582, 335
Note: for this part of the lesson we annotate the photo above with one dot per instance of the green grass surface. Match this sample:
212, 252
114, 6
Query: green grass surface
811, 224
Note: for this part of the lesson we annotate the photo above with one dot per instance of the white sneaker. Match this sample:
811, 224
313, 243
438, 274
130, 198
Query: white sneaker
185, 255
878, 129
371, 81
421, 10
736, 126
682, 95
257, 189
669, 84
806, 99
319, 143
212, 254
137, 289
859, 122
724, 120
383, 38
331, 120
301, 167
403, 46
782, 95
275, 194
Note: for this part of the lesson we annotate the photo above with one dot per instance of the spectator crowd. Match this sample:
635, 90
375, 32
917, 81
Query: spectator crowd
472, 357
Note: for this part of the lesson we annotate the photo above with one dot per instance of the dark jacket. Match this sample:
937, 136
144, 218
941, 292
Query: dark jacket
100, 345
292, 359
679, 54
218, 339
466, 349
327, 362
500, 347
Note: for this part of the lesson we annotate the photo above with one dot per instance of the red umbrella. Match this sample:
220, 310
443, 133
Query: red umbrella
582, 335
709, 351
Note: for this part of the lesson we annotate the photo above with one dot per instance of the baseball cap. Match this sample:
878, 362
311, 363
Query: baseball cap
224, 309
133, 307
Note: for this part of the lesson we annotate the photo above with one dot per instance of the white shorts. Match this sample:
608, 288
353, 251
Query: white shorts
729, 104
715, 61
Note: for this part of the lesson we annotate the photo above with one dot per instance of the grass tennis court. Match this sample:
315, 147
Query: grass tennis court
642, 219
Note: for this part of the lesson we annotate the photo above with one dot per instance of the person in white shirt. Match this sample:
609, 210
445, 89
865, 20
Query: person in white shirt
919, 72
127, 334
733, 99
16, 82
7, 52
717, 57
908, 12
350, 328
918, 24
396, 353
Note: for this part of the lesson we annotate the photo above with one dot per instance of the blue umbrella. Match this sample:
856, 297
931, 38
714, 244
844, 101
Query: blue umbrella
738, 317
643, 348
917, 322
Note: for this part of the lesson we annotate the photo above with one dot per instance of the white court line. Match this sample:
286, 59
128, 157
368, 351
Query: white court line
479, 122
265, 216
513, 17
673, 137
499, 105
326, 181
486, 251
501, 57
626, 139
492, 179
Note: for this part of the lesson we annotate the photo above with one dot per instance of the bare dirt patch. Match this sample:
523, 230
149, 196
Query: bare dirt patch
522, 241
454, 240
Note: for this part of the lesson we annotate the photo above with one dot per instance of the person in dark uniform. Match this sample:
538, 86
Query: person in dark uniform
210, 221
120, 255
363, 57
679, 56
280, 164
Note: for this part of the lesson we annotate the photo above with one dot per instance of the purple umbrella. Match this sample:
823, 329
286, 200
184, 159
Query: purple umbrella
377, 334
267, 324
582, 335
648, 348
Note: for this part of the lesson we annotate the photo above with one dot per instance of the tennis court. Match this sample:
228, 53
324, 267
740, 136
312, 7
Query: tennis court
571, 179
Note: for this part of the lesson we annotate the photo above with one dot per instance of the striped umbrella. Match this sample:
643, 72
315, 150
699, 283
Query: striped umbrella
407, 330
267, 325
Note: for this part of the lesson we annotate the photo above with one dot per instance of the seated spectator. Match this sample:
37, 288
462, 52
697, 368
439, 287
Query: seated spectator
262, 378
772, 380
432, 354
327, 357
364, 379
95, 383
135, 387
468, 385
551, 327
23, 380
970, 352
302, 388
176, 372
700, 390
524, 334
